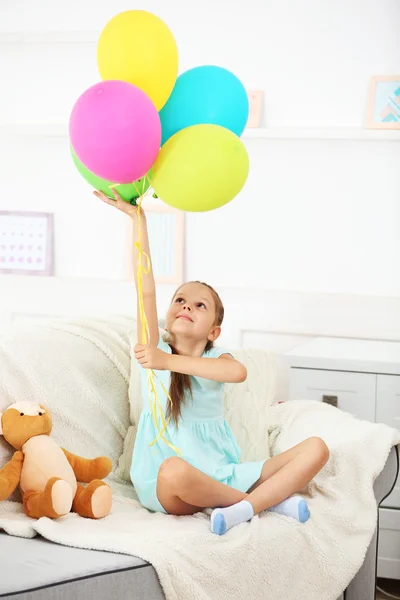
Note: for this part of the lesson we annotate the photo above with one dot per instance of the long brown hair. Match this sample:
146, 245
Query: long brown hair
180, 383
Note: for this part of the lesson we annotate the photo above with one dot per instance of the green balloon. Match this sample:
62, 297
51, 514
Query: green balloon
200, 168
127, 191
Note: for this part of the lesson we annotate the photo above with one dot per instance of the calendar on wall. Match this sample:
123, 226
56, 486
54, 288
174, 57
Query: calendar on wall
26, 243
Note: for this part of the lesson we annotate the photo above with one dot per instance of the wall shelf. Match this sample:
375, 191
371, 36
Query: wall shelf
49, 37
332, 133
349, 134
35, 129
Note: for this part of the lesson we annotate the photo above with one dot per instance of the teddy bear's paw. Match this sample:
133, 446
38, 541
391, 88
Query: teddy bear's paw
93, 501
101, 501
102, 467
18, 456
53, 502
61, 496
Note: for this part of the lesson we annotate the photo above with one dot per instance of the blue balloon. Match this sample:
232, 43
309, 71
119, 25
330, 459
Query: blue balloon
206, 94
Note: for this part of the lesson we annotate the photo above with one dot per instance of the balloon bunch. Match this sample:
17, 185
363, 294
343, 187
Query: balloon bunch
143, 126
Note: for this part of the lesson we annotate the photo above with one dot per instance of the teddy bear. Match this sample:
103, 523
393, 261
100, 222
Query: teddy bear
48, 475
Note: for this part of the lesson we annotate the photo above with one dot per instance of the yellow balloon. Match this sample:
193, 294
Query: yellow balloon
137, 47
200, 168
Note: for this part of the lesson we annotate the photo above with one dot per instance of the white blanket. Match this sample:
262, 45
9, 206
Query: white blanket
270, 557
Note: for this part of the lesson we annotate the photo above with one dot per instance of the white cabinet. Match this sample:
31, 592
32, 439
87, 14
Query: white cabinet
363, 378
351, 392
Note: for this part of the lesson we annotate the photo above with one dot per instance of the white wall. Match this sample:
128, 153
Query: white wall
316, 216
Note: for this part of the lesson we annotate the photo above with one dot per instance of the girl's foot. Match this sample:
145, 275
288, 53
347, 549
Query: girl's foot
294, 507
222, 519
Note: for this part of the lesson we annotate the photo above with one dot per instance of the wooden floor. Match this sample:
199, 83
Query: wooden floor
389, 585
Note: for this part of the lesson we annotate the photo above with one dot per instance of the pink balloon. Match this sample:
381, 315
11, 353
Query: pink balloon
115, 131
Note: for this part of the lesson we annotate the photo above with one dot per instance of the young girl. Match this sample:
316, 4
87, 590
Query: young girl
208, 472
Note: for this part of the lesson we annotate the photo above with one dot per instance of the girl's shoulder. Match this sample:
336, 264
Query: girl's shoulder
216, 352
163, 344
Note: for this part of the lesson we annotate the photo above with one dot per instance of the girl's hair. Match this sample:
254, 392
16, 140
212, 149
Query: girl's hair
180, 383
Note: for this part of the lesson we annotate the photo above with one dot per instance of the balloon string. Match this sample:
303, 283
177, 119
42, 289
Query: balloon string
144, 268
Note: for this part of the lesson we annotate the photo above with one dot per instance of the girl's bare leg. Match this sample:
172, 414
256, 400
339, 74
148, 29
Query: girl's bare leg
281, 477
288, 473
184, 490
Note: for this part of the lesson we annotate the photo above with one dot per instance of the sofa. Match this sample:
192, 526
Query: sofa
37, 569
63, 573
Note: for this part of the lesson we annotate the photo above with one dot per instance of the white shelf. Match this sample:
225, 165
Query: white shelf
332, 133
91, 37
49, 37
35, 129
387, 135
348, 355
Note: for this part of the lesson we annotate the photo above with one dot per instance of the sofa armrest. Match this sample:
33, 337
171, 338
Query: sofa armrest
362, 587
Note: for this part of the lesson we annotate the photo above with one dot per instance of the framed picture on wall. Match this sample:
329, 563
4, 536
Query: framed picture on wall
26, 243
384, 102
166, 228
255, 108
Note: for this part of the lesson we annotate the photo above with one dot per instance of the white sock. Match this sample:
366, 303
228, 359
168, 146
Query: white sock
294, 507
223, 519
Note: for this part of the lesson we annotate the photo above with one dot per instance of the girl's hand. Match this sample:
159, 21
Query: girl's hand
151, 357
123, 206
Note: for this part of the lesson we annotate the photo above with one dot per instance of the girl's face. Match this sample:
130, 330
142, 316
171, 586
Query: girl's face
192, 313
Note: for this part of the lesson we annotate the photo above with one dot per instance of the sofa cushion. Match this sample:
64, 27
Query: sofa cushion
36, 569
79, 368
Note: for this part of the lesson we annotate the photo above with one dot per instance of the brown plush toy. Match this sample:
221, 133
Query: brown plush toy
47, 474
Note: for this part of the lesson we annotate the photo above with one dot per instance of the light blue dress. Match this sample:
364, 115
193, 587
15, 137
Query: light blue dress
203, 437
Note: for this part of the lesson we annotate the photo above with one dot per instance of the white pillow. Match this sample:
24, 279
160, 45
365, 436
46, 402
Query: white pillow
247, 406
80, 370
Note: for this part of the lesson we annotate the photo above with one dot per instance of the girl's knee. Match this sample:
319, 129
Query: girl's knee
319, 449
172, 469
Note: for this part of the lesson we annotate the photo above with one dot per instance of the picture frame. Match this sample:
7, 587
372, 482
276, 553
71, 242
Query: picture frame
384, 102
26, 243
166, 229
255, 108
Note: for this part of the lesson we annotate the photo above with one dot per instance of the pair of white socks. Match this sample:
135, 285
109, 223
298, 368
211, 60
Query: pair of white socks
222, 519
